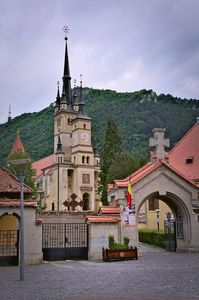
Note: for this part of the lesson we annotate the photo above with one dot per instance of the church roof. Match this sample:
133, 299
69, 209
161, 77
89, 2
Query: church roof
9, 183
17, 146
146, 170
185, 154
43, 163
186, 149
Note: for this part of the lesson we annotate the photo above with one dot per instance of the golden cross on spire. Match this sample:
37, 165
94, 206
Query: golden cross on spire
65, 30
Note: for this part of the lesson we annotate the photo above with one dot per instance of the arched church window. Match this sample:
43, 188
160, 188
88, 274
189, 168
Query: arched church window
69, 121
88, 160
86, 201
74, 159
83, 159
84, 126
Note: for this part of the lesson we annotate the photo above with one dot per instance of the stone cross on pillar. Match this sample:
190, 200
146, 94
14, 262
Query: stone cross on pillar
159, 142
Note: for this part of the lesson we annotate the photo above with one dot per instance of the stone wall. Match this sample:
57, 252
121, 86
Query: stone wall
32, 234
98, 238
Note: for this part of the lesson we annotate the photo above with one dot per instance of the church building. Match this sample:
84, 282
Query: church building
68, 178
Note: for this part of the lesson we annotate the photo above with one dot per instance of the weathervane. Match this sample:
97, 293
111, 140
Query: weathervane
65, 30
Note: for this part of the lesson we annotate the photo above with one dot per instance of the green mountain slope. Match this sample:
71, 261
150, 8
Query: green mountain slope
136, 114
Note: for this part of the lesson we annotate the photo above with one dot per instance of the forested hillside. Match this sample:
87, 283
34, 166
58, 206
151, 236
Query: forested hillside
135, 114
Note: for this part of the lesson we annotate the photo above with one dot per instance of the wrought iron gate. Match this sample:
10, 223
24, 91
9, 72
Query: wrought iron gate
9, 241
64, 241
170, 235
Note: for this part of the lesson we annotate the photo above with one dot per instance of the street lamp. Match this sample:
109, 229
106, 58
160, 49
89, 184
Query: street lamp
19, 168
158, 218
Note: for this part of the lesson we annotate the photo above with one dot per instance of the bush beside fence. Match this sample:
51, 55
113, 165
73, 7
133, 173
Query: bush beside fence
152, 237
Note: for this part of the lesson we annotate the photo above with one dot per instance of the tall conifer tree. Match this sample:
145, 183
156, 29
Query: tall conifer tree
112, 147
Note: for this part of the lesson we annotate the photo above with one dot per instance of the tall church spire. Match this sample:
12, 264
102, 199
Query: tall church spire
67, 93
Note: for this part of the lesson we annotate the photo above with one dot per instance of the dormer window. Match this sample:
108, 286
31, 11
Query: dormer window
189, 160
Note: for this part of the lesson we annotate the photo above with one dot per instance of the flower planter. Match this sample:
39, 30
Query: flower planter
113, 255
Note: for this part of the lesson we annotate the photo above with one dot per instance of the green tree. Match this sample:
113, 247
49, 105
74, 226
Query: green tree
27, 168
122, 166
112, 147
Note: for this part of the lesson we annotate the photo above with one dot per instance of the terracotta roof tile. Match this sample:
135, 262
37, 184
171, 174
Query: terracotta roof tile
187, 147
10, 183
16, 203
102, 219
17, 146
139, 174
149, 168
109, 210
43, 163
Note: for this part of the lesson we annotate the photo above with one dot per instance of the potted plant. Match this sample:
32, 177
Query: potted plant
117, 251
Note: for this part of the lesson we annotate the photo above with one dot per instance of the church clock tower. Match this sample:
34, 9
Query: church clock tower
83, 156
63, 110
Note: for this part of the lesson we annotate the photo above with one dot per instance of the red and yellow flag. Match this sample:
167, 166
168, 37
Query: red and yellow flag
129, 199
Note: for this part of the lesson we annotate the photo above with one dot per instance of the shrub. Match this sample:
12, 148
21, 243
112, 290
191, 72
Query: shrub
117, 246
152, 237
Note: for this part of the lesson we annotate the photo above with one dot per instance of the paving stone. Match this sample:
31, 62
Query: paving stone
155, 275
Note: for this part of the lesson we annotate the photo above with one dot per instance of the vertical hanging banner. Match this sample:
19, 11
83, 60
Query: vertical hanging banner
129, 198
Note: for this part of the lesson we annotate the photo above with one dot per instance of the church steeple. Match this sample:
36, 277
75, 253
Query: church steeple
81, 113
58, 99
67, 93
75, 101
17, 146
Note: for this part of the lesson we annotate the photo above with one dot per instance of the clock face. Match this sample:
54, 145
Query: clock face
85, 136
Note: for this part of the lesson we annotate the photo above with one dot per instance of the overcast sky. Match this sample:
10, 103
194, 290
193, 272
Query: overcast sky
124, 45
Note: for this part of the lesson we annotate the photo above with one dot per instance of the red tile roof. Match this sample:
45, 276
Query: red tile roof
16, 203
187, 147
109, 210
43, 163
17, 146
102, 219
10, 183
139, 174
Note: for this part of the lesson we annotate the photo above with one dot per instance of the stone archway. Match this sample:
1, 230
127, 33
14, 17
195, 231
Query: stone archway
9, 239
181, 215
86, 200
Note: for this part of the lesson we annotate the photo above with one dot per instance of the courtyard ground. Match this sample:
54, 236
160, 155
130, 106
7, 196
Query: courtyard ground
157, 274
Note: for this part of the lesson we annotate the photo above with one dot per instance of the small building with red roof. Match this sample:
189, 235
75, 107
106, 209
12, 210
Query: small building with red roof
10, 218
172, 177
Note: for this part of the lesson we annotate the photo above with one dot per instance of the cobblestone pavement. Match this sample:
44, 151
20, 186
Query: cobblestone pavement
155, 275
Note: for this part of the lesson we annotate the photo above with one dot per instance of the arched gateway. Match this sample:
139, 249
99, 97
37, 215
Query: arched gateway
173, 178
